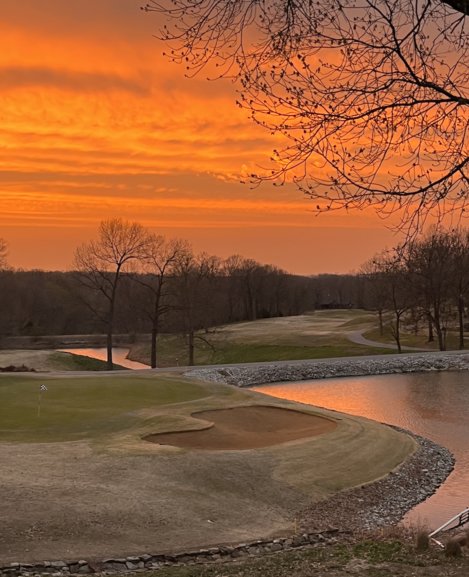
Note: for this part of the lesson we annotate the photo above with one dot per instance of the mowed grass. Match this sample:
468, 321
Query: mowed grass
82, 408
319, 335
418, 341
247, 353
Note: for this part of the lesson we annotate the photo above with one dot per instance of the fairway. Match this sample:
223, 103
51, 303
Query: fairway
82, 408
317, 335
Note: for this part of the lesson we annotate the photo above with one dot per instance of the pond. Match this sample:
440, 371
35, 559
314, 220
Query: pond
434, 405
119, 356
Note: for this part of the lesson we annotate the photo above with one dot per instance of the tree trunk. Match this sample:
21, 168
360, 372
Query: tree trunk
154, 335
191, 348
431, 338
110, 365
253, 308
398, 334
461, 321
439, 331
380, 318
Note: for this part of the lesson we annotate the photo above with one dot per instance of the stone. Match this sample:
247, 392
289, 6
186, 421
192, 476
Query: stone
237, 553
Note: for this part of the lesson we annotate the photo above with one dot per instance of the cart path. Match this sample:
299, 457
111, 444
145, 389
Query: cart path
358, 338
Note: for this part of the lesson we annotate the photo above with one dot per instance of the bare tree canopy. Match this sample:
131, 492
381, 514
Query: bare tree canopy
370, 96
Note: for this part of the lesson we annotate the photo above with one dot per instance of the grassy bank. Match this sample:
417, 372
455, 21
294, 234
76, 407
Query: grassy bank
381, 557
61, 361
48, 360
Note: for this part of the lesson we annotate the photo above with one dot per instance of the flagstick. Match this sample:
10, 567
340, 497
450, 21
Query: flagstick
39, 399
39, 404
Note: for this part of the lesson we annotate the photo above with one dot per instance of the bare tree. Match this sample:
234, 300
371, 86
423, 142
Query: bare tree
371, 96
395, 288
459, 258
100, 264
372, 272
159, 263
430, 262
194, 276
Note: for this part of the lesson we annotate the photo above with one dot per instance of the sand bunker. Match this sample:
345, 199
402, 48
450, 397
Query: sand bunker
247, 428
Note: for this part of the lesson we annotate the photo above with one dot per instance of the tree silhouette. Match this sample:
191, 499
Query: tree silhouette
100, 264
371, 97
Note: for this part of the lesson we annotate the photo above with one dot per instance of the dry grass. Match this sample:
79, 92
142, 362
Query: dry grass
422, 540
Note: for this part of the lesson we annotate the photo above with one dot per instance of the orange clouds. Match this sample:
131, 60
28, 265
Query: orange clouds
96, 123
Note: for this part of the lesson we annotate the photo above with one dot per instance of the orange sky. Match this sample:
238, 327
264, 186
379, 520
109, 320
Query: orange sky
96, 124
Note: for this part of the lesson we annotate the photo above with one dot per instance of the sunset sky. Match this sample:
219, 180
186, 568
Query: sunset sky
95, 123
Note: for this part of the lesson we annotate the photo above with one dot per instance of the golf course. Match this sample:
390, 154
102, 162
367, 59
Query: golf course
99, 464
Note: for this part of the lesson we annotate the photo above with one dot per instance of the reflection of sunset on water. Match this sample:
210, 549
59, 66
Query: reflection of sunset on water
434, 405
357, 396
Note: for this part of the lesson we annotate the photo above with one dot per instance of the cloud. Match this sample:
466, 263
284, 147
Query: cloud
96, 123
80, 18
12, 78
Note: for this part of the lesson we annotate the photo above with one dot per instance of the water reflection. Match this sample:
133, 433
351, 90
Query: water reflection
119, 356
435, 405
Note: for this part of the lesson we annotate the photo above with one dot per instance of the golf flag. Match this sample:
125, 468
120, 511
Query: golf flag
42, 389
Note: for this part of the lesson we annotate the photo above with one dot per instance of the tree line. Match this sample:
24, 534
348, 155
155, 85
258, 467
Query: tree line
130, 281
423, 282
155, 278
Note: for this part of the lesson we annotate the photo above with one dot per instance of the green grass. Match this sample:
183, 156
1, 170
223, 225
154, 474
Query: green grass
69, 362
239, 353
411, 340
235, 352
81, 408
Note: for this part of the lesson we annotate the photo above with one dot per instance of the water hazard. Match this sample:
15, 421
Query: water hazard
434, 405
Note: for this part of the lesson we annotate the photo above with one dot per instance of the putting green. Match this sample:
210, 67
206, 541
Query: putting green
81, 408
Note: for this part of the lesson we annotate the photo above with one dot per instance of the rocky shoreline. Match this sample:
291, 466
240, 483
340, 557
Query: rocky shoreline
386, 501
263, 373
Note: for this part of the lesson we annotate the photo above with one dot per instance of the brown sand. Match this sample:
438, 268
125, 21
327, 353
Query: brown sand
248, 427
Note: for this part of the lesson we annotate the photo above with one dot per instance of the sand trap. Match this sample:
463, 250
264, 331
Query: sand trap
247, 428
